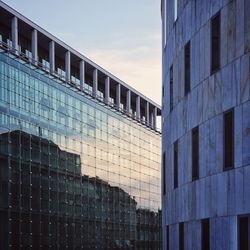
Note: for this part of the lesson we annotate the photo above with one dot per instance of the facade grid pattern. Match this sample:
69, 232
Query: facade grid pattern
74, 174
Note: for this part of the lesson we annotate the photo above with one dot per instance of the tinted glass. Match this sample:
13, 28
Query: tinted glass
80, 173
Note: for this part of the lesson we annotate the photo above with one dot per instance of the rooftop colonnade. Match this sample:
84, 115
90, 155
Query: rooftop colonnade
30, 42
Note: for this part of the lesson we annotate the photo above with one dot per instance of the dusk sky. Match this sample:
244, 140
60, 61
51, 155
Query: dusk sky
122, 36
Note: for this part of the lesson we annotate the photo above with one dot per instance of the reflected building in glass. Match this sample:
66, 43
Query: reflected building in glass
79, 149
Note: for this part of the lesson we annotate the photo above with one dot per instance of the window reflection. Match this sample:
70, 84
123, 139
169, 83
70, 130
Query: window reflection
80, 173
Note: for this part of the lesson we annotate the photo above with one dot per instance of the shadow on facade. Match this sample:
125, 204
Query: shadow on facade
45, 202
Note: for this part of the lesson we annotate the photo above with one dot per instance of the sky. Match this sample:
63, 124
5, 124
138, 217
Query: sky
122, 36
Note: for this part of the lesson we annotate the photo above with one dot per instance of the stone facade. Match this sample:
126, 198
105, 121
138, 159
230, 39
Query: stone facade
219, 195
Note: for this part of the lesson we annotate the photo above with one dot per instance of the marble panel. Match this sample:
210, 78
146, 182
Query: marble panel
211, 97
238, 136
245, 78
246, 189
233, 232
247, 26
226, 74
212, 147
231, 192
231, 31
239, 28
218, 93
224, 37
219, 142
239, 189
246, 133
222, 194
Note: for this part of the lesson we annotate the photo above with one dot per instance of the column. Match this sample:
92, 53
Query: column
118, 96
95, 83
67, 66
151, 118
14, 34
147, 113
138, 108
34, 47
128, 101
82, 74
52, 56
107, 90
155, 118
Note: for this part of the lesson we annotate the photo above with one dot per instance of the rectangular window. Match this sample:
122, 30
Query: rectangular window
164, 172
215, 43
195, 153
243, 231
181, 236
228, 139
171, 90
176, 164
167, 238
175, 9
187, 68
205, 234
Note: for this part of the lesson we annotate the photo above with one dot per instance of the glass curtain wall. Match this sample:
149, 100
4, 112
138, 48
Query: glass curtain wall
74, 174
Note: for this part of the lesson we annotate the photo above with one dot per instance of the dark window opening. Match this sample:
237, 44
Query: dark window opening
243, 232
228, 139
187, 68
171, 82
167, 238
205, 234
215, 43
195, 153
176, 164
164, 172
181, 236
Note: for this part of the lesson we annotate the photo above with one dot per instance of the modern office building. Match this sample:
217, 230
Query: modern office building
206, 124
79, 149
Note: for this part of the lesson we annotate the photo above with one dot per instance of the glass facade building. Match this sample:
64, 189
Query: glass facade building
75, 173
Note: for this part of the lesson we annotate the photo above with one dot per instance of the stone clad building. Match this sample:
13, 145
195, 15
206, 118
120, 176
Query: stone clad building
206, 124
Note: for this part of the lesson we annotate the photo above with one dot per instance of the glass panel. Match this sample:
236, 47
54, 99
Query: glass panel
82, 174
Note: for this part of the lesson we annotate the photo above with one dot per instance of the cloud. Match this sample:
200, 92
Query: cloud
138, 65
134, 57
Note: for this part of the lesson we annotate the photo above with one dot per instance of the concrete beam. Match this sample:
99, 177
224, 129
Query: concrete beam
118, 95
95, 82
34, 45
128, 101
52, 56
67, 66
82, 74
138, 108
14, 34
107, 89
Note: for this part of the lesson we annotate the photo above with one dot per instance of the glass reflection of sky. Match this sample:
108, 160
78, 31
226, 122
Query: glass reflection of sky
115, 149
